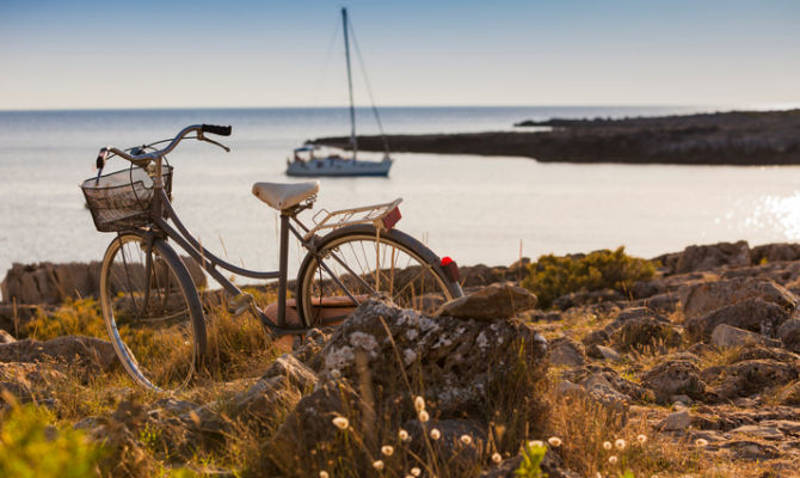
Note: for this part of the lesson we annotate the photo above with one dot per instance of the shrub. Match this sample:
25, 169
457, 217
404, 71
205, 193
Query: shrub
553, 276
30, 447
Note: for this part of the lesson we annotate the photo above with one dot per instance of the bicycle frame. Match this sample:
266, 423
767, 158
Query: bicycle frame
162, 210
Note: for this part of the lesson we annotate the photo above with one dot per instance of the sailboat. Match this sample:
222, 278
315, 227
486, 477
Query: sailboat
305, 163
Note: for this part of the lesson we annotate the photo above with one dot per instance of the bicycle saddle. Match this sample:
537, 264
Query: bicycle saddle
284, 195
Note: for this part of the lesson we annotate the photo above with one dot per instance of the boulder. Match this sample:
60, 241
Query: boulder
381, 357
702, 258
48, 283
497, 301
700, 299
676, 422
281, 387
6, 338
566, 352
725, 336
675, 377
755, 315
602, 352
775, 253
750, 377
70, 349
789, 333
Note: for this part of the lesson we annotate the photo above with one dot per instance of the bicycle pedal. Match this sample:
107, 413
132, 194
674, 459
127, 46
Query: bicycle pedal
240, 304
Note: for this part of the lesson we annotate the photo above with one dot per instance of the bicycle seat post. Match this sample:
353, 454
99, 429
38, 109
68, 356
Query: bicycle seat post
282, 270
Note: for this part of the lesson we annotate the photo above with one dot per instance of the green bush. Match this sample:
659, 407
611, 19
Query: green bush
30, 447
553, 276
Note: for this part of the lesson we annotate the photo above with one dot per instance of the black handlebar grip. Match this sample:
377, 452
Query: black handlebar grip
216, 129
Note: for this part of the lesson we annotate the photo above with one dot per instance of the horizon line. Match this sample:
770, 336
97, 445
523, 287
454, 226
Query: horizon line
777, 106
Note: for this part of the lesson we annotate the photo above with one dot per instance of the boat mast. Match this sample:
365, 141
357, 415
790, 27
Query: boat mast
353, 142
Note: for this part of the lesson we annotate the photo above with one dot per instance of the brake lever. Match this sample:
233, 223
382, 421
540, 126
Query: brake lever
202, 137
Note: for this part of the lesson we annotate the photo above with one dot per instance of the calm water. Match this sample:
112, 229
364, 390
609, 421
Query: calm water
473, 208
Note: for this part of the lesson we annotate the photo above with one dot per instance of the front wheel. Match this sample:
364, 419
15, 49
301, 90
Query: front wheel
354, 263
152, 311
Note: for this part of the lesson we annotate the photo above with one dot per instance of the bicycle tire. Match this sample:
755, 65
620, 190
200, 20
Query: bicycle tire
154, 318
314, 283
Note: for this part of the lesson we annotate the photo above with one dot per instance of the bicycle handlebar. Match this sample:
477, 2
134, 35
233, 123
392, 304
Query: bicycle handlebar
215, 129
143, 159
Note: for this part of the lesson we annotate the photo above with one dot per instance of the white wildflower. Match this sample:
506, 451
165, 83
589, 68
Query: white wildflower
323, 474
701, 442
416, 471
641, 439
403, 435
341, 423
423, 416
466, 439
419, 403
607, 445
620, 444
535, 443
387, 450
612, 459
554, 442
497, 458
436, 434
377, 464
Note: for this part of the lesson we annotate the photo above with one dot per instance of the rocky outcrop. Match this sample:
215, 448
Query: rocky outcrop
737, 137
48, 283
497, 301
702, 298
755, 315
674, 378
382, 356
72, 350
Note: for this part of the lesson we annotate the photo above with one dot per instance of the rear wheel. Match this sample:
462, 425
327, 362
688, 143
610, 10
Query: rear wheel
152, 311
354, 263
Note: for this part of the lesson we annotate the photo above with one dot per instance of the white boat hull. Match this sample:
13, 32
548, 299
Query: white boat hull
317, 167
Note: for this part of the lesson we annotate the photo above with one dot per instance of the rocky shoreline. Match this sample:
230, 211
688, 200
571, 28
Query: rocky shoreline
732, 138
696, 370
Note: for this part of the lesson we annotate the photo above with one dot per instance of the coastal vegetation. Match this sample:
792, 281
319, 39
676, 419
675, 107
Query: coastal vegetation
551, 276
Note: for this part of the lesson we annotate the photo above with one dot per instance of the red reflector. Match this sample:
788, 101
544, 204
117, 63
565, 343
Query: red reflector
391, 219
451, 269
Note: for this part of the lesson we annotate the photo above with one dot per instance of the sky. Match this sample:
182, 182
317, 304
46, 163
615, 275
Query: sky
166, 54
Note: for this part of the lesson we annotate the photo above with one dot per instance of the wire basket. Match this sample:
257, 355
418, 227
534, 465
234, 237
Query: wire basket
121, 200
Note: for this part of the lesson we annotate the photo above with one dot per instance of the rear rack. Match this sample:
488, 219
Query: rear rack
374, 214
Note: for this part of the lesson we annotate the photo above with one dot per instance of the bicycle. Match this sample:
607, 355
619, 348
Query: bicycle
149, 293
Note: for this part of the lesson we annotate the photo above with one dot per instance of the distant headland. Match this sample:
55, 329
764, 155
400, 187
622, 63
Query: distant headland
729, 138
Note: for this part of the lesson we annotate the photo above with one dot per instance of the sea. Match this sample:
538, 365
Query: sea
489, 210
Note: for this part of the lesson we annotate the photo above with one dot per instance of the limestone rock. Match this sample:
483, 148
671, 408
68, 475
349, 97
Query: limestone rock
775, 252
706, 257
749, 377
566, 352
497, 301
602, 352
789, 333
700, 299
725, 336
71, 349
755, 315
676, 421
675, 377
6, 338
